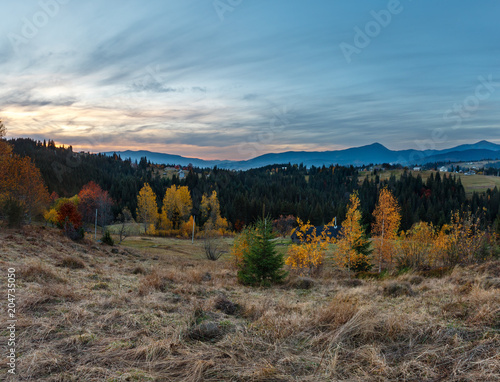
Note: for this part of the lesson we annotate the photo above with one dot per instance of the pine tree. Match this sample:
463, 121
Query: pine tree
262, 264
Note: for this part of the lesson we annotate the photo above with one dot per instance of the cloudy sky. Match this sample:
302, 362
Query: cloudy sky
233, 79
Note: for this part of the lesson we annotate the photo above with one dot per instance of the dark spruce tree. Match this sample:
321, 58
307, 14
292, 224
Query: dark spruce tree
262, 264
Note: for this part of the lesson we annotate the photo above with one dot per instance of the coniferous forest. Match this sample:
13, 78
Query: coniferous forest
311, 194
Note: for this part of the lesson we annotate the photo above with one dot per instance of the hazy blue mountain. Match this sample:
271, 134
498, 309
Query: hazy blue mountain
482, 145
357, 156
466, 155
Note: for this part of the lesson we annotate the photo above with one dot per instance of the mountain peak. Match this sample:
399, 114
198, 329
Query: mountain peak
373, 153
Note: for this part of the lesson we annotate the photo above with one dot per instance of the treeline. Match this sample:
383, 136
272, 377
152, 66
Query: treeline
315, 194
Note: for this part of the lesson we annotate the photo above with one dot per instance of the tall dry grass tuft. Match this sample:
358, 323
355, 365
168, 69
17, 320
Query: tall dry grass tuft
71, 262
37, 271
156, 280
340, 310
485, 307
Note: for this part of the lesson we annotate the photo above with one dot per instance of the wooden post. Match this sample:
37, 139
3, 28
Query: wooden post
192, 239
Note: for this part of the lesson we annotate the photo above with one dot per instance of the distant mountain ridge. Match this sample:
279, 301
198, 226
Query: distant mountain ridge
375, 153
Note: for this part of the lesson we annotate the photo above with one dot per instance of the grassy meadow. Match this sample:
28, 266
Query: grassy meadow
154, 309
471, 183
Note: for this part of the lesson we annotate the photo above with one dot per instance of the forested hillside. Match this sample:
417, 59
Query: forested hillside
315, 194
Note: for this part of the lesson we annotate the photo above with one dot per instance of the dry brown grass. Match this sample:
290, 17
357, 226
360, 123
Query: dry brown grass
166, 315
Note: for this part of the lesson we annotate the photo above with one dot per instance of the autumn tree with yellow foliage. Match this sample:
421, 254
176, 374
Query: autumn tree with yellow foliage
210, 214
418, 246
353, 247
147, 208
387, 216
462, 240
307, 257
241, 245
177, 205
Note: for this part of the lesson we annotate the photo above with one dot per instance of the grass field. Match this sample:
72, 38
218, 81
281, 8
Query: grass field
471, 183
154, 309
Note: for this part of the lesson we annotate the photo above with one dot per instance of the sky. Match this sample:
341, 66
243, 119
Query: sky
234, 79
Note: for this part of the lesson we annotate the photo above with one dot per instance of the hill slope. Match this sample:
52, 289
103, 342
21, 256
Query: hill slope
157, 311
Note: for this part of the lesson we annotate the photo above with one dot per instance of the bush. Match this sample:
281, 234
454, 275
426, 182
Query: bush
262, 264
213, 246
73, 233
107, 239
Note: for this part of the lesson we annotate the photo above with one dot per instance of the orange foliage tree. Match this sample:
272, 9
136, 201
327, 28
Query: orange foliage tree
69, 219
91, 198
385, 228
308, 256
21, 183
68, 214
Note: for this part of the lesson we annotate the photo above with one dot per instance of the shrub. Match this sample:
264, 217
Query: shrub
241, 245
107, 239
213, 246
308, 256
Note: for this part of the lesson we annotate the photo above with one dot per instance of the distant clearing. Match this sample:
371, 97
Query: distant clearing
471, 183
